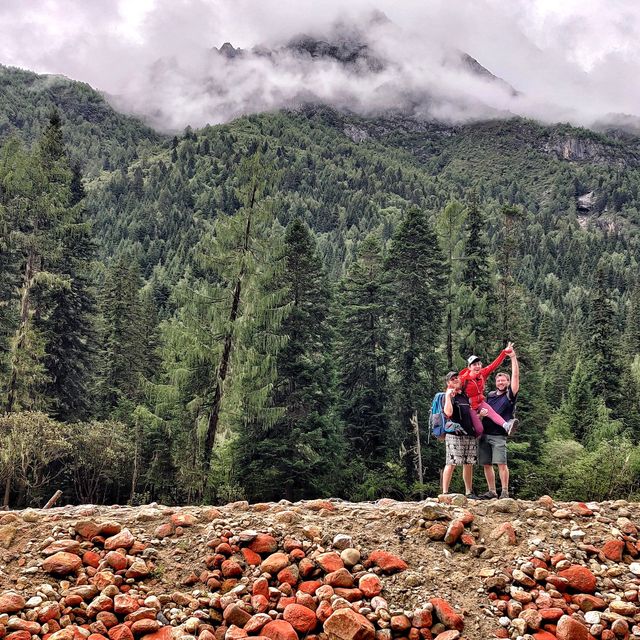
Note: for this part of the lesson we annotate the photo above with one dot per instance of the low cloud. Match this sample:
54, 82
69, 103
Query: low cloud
159, 58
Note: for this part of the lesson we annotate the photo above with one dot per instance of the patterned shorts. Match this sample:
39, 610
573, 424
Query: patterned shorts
461, 449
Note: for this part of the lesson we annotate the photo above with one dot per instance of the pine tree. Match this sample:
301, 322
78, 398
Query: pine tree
416, 282
37, 196
299, 454
220, 347
363, 355
476, 299
449, 227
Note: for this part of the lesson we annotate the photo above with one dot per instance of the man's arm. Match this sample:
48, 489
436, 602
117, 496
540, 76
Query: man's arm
448, 404
515, 373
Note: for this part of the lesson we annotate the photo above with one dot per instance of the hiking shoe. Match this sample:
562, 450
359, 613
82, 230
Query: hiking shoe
489, 495
512, 425
472, 496
504, 493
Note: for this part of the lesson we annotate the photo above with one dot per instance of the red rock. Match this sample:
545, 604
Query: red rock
370, 585
318, 505
107, 618
18, 624
507, 531
234, 633
284, 601
91, 559
544, 635
260, 587
143, 613
330, 561
560, 584
306, 567
264, 543
251, 557
122, 540
324, 611
146, 625
533, 618
437, 531
274, 563
48, 611
181, 519
109, 529
256, 622
467, 539
138, 569
422, 619
87, 529
120, 632
446, 614
125, 604
279, 630
231, 569
259, 603
18, 635
236, 614
165, 530
340, 578
388, 562
454, 531
570, 629
11, 602
352, 595
116, 560
62, 564
70, 546
300, 618
61, 634
613, 549
452, 634
400, 624
289, 575
551, 614
164, 633
346, 624
103, 579
581, 509
96, 636
579, 578
310, 586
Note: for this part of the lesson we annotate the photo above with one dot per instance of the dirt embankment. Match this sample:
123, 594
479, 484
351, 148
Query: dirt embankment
322, 569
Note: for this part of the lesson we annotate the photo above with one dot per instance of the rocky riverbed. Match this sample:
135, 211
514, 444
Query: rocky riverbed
445, 569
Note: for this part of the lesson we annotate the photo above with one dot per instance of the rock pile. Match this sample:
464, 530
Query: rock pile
249, 583
587, 589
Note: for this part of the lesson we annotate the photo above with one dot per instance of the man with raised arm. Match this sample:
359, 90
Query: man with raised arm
492, 448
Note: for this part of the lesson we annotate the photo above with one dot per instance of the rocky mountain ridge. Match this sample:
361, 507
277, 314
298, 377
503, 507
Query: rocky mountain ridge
443, 568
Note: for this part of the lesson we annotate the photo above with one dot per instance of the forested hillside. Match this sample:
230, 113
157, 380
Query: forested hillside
261, 309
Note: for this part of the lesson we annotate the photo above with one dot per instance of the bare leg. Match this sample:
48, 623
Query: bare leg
446, 477
467, 476
490, 475
503, 470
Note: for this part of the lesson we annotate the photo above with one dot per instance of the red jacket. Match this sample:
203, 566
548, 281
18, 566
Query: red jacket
474, 387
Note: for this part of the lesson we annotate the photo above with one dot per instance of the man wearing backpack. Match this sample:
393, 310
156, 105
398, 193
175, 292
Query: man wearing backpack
461, 445
492, 448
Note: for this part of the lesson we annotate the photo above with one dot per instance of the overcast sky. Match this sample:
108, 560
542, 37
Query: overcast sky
571, 60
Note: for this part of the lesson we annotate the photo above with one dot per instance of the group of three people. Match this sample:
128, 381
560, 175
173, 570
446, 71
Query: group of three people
484, 422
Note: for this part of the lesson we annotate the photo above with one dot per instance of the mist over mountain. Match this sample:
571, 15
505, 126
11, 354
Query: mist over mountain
200, 62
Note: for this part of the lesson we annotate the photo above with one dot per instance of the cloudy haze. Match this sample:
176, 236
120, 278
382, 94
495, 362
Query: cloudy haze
574, 61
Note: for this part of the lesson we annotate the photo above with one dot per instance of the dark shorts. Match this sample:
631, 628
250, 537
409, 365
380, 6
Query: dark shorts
492, 449
461, 450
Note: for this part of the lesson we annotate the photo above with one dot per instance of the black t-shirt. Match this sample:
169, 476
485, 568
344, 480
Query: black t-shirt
504, 404
462, 413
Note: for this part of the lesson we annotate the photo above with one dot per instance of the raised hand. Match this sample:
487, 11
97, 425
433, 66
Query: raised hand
509, 349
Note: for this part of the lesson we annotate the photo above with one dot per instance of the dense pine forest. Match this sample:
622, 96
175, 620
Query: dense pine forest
261, 310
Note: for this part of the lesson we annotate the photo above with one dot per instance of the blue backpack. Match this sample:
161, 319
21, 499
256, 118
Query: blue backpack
437, 419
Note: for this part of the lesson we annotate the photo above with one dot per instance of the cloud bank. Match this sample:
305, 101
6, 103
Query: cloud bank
571, 61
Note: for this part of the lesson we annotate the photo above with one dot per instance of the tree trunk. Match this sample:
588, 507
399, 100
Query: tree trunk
416, 427
223, 367
30, 271
7, 491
